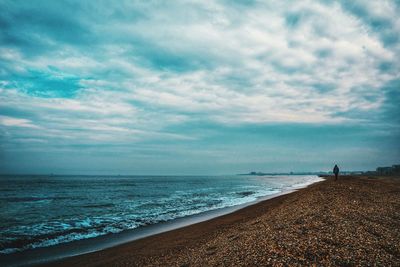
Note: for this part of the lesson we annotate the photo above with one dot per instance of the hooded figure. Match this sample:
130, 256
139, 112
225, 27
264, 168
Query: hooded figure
336, 171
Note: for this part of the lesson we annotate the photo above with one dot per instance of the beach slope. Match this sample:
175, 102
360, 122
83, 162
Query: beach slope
352, 221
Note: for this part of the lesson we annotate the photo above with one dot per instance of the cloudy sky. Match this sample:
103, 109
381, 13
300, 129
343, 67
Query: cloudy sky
198, 87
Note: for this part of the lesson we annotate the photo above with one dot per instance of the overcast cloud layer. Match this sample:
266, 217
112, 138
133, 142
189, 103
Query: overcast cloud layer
198, 86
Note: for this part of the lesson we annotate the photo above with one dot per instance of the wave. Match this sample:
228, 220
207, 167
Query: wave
245, 193
131, 210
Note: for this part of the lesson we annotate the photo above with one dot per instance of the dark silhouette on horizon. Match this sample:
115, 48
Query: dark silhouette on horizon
336, 171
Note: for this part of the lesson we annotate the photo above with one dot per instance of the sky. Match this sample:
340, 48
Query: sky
198, 87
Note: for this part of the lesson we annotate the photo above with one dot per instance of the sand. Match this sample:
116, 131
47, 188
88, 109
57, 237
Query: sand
350, 222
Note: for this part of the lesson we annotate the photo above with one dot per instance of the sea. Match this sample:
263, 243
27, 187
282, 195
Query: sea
39, 211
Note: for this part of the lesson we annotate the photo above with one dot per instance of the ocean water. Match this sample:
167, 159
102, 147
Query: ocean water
42, 211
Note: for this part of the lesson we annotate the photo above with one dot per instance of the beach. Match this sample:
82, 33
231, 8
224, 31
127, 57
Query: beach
349, 222
199, 133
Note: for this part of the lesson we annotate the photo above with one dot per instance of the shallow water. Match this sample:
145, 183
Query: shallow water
41, 211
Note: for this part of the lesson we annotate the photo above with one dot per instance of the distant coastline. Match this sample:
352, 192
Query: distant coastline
318, 173
387, 170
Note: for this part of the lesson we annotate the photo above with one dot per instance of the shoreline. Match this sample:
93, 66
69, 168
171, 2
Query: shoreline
350, 222
64, 251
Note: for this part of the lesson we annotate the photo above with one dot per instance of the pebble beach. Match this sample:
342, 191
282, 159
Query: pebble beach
354, 221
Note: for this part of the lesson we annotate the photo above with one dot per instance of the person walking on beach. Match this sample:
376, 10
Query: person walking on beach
336, 171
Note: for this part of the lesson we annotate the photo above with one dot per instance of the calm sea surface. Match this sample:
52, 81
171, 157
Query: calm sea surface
41, 211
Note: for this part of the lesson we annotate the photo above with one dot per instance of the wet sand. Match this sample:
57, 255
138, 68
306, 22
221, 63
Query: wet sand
349, 222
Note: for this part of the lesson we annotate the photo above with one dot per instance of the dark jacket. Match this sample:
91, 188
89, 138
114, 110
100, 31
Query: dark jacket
336, 169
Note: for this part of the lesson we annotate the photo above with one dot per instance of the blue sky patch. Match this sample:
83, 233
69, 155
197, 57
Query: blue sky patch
46, 84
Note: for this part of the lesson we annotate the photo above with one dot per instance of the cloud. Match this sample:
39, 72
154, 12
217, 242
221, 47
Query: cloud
391, 111
90, 73
15, 122
379, 18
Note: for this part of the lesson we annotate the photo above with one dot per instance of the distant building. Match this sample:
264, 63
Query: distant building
396, 168
384, 170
